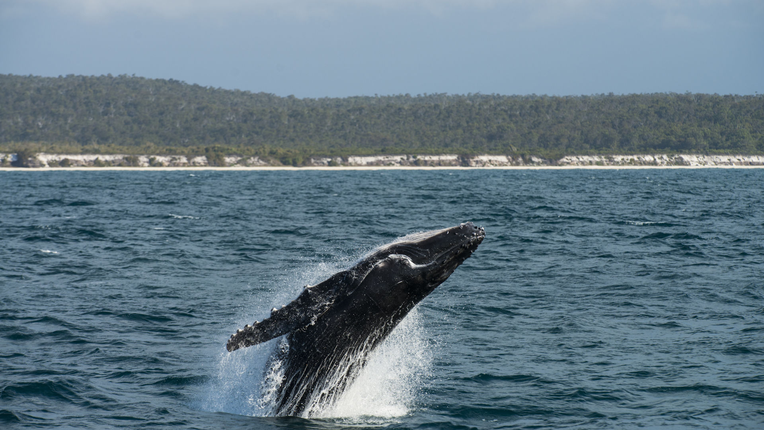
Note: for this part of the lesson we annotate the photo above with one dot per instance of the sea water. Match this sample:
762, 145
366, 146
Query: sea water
599, 298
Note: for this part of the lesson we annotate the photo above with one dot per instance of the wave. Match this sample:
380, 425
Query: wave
82, 203
9, 417
64, 390
141, 317
183, 216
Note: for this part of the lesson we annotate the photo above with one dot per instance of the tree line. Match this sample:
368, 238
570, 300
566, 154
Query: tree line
132, 115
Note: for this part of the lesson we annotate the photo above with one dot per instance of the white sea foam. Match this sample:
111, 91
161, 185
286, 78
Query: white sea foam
183, 216
48, 251
641, 222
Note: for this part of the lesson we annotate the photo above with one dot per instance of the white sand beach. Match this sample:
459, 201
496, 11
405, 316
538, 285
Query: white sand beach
92, 162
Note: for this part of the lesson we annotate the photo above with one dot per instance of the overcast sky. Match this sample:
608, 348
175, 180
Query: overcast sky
337, 48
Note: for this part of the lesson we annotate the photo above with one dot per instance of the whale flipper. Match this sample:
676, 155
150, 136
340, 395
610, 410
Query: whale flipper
301, 312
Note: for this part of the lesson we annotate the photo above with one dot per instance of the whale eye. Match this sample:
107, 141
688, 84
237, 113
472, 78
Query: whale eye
401, 259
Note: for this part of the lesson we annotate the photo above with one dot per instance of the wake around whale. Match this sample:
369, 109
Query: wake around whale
332, 327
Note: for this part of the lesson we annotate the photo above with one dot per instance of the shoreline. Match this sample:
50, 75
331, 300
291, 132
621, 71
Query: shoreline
358, 168
50, 162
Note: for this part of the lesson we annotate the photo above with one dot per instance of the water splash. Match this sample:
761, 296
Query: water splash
388, 385
236, 387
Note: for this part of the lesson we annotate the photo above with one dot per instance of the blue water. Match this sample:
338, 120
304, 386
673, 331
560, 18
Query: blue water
599, 298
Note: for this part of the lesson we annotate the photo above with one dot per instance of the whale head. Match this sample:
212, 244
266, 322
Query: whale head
407, 270
438, 246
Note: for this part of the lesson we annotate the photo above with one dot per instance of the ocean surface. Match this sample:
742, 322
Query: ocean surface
599, 298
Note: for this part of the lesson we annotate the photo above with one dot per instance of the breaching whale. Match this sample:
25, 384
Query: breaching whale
332, 327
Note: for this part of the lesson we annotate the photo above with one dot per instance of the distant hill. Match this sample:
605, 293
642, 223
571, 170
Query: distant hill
128, 114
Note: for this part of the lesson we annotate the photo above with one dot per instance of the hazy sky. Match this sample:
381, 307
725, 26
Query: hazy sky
336, 48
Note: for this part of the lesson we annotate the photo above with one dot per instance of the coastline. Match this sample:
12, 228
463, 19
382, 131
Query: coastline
358, 168
92, 162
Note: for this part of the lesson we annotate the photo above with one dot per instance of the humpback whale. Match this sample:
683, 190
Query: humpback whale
332, 327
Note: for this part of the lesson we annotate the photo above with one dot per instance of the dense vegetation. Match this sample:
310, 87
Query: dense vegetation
127, 114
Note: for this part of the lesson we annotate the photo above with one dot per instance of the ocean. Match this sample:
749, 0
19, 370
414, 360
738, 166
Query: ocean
599, 298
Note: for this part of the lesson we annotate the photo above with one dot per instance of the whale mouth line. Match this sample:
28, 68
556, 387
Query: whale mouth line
455, 250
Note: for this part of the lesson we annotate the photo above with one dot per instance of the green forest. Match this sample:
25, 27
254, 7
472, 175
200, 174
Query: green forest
134, 115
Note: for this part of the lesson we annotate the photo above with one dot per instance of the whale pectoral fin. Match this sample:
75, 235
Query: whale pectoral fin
281, 322
257, 333
308, 306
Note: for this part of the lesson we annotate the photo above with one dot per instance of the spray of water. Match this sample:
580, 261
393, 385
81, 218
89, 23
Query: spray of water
236, 386
387, 386
246, 382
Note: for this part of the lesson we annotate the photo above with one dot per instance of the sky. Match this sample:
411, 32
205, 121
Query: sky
340, 48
